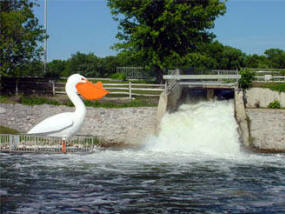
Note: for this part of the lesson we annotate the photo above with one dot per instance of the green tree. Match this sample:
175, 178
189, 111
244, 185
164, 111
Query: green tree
232, 58
55, 68
246, 79
276, 57
33, 68
256, 61
164, 32
223, 57
88, 65
108, 65
20, 34
200, 61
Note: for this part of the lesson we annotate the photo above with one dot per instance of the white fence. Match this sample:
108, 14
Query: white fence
129, 89
135, 89
41, 144
270, 78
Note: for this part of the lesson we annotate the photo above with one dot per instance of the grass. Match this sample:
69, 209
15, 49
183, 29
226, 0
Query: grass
132, 103
31, 100
39, 100
280, 87
6, 99
6, 130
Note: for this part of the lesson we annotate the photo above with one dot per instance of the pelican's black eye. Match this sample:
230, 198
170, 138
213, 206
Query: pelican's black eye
83, 79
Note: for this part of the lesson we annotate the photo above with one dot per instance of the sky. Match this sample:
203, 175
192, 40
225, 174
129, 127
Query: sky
87, 26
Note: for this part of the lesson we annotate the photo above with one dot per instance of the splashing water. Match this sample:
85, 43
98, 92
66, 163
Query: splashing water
206, 128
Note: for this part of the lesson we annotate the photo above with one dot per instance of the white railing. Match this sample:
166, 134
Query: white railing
222, 77
270, 78
41, 144
202, 77
220, 71
128, 89
135, 89
171, 83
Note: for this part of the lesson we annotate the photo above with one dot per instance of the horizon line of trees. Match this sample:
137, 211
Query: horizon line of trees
214, 56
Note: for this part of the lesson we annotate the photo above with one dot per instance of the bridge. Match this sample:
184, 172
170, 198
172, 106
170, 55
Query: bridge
204, 81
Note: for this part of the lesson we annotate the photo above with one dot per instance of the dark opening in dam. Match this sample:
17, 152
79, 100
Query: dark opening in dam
199, 94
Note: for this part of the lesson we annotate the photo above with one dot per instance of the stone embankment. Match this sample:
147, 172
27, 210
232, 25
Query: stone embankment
267, 129
261, 97
122, 125
266, 126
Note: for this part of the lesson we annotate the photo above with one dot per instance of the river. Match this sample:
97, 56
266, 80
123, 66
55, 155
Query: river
194, 165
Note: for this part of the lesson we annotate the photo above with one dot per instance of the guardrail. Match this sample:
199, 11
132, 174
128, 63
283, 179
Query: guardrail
41, 144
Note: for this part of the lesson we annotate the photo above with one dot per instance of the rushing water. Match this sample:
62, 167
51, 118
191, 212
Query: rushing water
195, 165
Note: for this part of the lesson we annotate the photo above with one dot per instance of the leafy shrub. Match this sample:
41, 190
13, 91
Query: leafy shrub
246, 79
119, 76
274, 104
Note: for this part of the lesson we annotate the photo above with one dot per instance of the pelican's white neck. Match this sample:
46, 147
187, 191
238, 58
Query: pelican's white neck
75, 99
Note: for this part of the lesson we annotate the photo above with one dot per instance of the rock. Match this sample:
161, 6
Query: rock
2, 110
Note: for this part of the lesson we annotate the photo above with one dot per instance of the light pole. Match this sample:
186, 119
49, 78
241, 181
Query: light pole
45, 41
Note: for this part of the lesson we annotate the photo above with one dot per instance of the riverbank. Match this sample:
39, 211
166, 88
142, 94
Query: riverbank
261, 129
266, 127
114, 125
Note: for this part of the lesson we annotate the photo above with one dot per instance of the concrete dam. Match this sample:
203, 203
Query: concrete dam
211, 89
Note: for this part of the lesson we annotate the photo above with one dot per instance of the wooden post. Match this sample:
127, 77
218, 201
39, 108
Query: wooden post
130, 90
17, 89
53, 87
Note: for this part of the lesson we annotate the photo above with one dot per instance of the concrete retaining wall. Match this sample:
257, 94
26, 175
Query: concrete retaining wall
127, 125
263, 96
267, 129
241, 118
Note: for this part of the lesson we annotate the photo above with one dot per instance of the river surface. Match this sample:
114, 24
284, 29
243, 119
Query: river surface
195, 165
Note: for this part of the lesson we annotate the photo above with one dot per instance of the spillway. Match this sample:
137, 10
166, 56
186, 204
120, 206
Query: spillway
204, 128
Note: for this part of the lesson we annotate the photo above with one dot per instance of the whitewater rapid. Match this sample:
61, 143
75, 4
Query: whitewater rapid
205, 128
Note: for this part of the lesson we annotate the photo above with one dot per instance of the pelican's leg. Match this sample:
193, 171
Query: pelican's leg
63, 146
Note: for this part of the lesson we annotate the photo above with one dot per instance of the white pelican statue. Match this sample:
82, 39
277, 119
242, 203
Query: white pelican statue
65, 125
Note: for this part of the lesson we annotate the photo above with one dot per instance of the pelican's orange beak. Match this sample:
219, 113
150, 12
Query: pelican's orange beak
91, 91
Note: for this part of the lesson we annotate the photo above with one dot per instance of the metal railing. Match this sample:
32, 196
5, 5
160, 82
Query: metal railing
171, 83
40, 144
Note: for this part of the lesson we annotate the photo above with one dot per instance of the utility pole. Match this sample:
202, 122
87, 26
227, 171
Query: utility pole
45, 41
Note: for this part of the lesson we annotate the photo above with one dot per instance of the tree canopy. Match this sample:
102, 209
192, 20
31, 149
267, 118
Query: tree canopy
20, 33
164, 32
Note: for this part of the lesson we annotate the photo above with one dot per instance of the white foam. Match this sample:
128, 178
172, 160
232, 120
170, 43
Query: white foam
206, 128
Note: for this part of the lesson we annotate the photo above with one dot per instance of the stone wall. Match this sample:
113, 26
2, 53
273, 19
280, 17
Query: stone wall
267, 129
241, 117
263, 96
128, 125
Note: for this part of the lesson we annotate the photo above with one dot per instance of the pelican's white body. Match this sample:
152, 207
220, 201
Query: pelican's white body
65, 125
